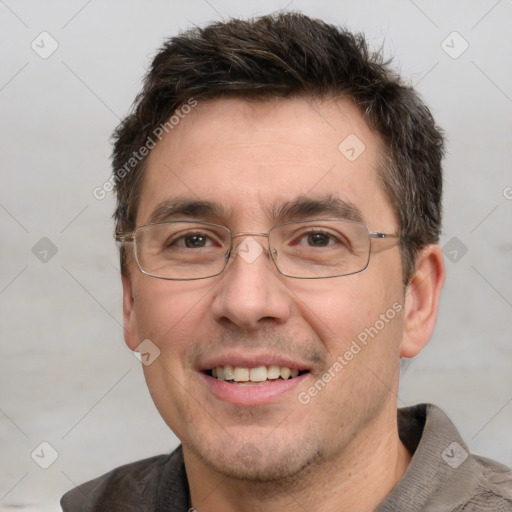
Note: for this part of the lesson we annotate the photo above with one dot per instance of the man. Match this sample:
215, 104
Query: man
278, 213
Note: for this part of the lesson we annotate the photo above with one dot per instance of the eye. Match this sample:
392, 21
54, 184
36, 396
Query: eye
194, 241
320, 238
190, 241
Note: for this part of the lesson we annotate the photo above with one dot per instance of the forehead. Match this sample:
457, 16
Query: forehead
251, 159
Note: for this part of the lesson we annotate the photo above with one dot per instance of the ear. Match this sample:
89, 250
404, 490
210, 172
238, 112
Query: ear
422, 299
129, 317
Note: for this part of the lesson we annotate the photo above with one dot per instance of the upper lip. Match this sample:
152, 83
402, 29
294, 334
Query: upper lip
252, 361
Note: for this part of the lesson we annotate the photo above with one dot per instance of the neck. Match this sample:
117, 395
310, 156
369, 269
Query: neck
356, 480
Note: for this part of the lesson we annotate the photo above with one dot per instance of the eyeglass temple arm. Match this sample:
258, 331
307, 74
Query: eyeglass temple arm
123, 237
384, 235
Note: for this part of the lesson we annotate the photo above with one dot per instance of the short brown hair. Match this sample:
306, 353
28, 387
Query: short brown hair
287, 55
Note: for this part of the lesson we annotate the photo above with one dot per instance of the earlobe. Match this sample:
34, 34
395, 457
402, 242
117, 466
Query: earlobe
422, 300
129, 316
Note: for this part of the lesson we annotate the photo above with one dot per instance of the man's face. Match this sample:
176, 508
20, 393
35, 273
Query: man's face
250, 159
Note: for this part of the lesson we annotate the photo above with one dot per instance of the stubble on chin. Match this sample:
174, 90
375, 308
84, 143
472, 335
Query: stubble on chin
262, 463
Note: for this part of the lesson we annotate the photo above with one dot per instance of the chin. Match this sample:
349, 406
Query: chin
265, 462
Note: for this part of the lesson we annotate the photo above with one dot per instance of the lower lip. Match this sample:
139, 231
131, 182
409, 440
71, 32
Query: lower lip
257, 394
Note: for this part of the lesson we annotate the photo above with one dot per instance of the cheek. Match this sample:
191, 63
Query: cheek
169, 312
359, 307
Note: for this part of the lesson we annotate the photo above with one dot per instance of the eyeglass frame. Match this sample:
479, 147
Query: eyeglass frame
121, 238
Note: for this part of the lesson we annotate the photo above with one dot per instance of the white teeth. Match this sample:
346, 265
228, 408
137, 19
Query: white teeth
273, 372
257, 374
228, 372
241, 374
285, 372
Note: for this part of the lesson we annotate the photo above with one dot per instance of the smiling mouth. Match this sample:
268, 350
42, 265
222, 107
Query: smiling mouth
251, 376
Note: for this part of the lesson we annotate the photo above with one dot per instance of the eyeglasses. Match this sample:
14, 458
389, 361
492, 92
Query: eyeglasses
306, 249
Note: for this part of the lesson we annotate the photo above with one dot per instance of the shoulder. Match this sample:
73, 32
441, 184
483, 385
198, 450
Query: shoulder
493, 490
473, 482
132, 487
443, 476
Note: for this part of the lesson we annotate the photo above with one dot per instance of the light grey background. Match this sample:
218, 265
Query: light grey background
66, 376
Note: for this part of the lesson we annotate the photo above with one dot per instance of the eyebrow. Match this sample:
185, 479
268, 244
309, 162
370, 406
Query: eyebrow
300, 208
184, 207
308, 207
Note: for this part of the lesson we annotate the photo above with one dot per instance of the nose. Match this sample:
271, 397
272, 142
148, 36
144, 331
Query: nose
251, 292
